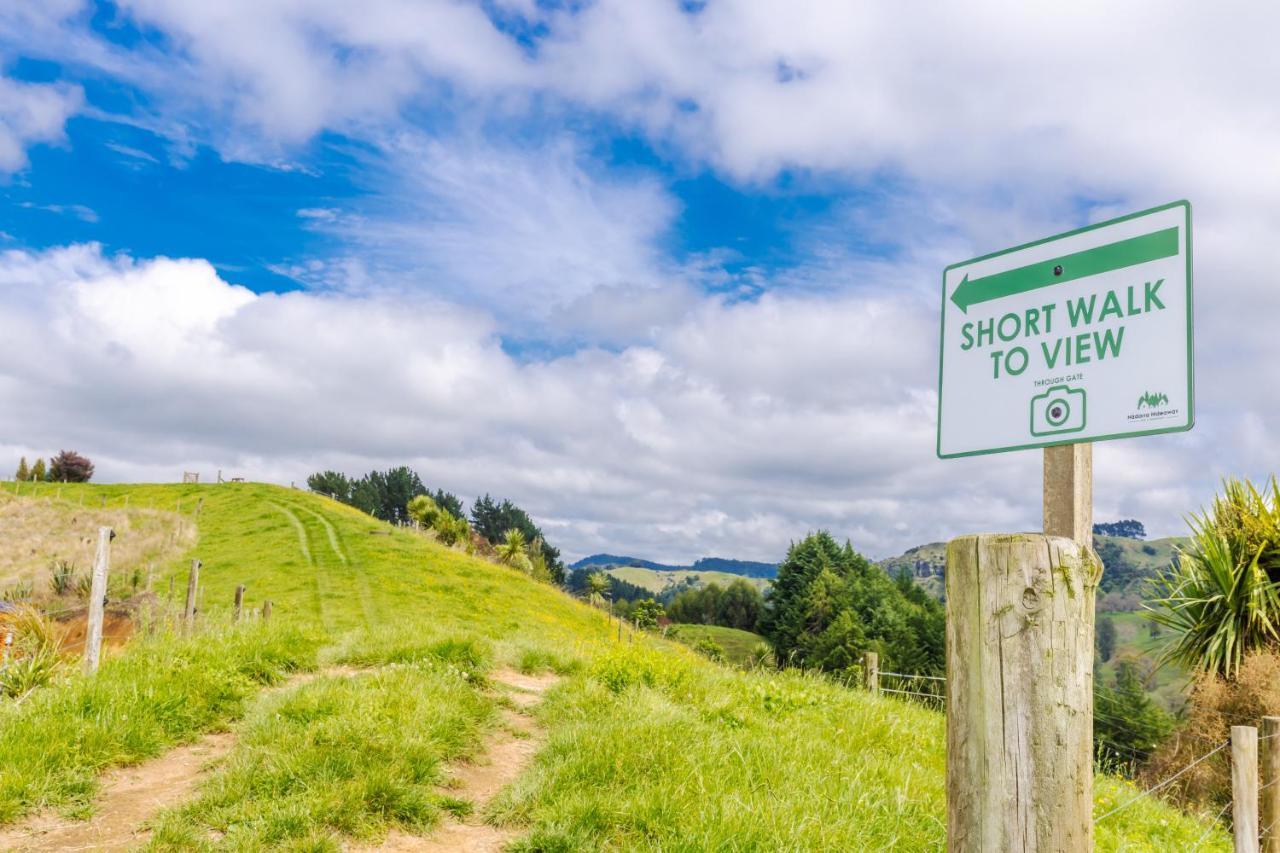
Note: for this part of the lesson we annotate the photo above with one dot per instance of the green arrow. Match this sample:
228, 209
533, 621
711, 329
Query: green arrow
1095, 261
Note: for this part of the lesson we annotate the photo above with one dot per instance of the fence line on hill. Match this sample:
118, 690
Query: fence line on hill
1246, 802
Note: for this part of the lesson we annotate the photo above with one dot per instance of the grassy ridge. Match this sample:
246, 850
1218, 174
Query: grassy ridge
649, 746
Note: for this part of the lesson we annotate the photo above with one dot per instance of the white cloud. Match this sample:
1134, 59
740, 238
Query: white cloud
32, 113
732, 431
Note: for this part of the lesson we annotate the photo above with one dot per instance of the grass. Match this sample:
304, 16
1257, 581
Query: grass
342, 757
649, 746
739, 646
51, 530
656, 581
164, 692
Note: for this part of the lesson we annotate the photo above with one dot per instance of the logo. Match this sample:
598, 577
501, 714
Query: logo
1152, 400
1058, 410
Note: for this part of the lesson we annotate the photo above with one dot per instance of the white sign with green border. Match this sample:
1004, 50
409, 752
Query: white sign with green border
1085, 336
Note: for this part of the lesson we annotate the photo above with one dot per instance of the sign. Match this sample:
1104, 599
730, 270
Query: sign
1085, 336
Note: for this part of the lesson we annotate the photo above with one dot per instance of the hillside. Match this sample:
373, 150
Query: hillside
659, 582
1128, 562
639, 745
745, 568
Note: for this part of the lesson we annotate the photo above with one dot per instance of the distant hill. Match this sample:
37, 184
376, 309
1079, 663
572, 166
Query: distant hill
745, 568
1128, 563
667, 582
605, 561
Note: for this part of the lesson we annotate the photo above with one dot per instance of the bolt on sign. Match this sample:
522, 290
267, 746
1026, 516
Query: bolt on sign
1085, 336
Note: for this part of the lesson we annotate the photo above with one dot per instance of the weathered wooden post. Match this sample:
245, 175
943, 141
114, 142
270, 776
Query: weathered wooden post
1244, 788
1068, 492
266, 610
97, 601
1020, 693
239, 600
871, 671
1270, 788
193, 583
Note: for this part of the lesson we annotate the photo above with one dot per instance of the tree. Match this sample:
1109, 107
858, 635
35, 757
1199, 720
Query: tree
1106, 638
331, 483
1128, 528
23, 473
492, 519
1126, 722
597, 585
38, 471
829, 605
741, 606
70, 467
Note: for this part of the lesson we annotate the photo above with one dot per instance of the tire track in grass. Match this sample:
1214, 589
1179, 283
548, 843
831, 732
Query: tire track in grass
304, 544
343, 587
368, 605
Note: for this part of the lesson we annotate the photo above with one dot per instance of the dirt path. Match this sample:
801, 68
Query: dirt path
131, 796
508, 752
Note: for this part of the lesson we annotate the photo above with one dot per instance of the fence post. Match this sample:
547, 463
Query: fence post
193, 583
266, 610
1270, 791
1020, 693
871, 671
239, 600
1244, 788
97, 601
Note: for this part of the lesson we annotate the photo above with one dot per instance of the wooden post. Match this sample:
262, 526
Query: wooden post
97, 601
1020, 693
266, 610
1068, 492
193, 583
871, 671
1244, 788
239, 600
1270, 789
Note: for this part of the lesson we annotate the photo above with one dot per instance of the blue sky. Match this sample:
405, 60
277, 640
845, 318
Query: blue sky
664, 273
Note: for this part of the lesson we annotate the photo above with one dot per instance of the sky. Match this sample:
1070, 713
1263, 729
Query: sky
666, 274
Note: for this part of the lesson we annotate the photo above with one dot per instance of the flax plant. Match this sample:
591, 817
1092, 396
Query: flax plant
1219, 597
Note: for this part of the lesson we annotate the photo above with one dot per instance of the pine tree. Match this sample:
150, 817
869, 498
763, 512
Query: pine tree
39, 472
24, 473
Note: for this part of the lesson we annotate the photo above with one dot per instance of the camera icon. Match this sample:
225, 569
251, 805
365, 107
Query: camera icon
1058, 410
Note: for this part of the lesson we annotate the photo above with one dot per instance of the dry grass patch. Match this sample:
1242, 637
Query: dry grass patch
37, 533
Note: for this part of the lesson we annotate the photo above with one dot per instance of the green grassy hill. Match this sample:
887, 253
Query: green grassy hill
739, 646
648, 746
658, 581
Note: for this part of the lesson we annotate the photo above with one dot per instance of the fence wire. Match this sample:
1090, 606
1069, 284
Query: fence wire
1159, 786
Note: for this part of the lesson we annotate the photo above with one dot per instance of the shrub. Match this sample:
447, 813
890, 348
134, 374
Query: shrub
70, 467
1215, 704
512, 551
709, 648
34, 659
62, 577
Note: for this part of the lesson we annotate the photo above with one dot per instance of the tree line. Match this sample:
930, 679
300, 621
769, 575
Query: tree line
389, 495
67, 467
